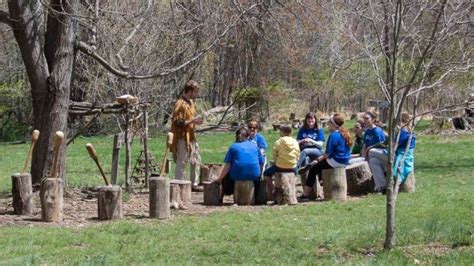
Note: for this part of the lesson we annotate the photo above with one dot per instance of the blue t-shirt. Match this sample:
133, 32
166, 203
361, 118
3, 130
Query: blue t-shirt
373, 136
316, 134
245, 160
259, 140
337, 149
403, 140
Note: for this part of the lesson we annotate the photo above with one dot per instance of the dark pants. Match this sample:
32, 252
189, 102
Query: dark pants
228, 185
275, 169
316, 170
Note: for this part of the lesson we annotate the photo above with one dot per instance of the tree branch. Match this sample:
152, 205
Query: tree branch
128, 75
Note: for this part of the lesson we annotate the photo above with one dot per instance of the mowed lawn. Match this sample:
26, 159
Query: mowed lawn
435, 225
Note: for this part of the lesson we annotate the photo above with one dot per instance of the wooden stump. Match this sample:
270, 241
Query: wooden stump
335, 184
244, 193
317, 191
51, 197
285, 190
159, 197
268, 184
261, 194
359, 179
22, 194
209, 172
109, 203
212, 193
409, 184
180, 193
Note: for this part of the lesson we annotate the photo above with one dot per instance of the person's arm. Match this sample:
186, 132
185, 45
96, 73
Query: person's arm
223, 173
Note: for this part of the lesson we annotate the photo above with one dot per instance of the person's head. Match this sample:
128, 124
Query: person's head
241, 134
285, 130
310, 121
191, 89
370, 119
405, 119
252, 128
359, 127
335, 123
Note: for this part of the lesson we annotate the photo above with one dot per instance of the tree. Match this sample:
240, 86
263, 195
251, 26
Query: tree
412, 46
51, 35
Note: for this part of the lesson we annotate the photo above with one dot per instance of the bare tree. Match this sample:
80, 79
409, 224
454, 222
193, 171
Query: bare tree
406, 44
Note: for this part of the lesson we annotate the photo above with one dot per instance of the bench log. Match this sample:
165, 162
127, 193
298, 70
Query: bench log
22, 193
244, 193
109, 203
159, 197
285, 189
212, 193
359, 179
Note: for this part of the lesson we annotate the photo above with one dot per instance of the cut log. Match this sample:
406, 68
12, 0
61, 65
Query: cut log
261, 194
335, 184
285, 189
180, 193
409, 184
244, 193
268, 184
317, 192
359, 179
212, 193
109, 203
159, 198
22, 194
209, 172
51, 197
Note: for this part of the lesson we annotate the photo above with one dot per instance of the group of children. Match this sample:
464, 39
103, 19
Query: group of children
245, 159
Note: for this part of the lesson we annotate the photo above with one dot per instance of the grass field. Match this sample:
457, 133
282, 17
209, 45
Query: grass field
435, 225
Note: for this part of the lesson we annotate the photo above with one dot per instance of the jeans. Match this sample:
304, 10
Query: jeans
307, 155
378, 163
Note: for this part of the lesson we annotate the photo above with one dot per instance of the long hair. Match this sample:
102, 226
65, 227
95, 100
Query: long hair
308, 115
338, 119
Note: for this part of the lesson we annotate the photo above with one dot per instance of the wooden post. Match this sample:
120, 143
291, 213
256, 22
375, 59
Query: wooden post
244, 193
118, 138
22, 194
145, 146
409, 184
159, 198
335, 184
128, 154
212, 193
51, 196
359, 178
180, 193
285, 190
109, 202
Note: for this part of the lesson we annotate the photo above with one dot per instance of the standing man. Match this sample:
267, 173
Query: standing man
184, 121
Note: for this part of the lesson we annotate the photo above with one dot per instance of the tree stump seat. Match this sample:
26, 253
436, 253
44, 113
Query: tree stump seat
159, 197
359, 179
51, 197
409, 184
284, 188
180, 193
212, 193
334, 184
209, 172
244, 192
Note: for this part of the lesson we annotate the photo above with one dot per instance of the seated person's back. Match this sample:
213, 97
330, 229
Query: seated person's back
244, 159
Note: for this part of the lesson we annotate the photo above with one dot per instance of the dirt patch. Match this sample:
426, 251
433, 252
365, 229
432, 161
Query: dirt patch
80, 209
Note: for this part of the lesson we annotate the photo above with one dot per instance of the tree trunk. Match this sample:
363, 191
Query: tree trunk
49, 68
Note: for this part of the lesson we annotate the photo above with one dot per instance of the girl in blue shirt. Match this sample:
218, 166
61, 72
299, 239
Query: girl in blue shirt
338, 152
374, 150
310, 138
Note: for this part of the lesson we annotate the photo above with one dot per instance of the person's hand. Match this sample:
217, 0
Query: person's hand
198, 120
320, 158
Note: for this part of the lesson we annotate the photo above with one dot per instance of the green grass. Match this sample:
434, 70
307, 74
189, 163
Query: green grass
435, 224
